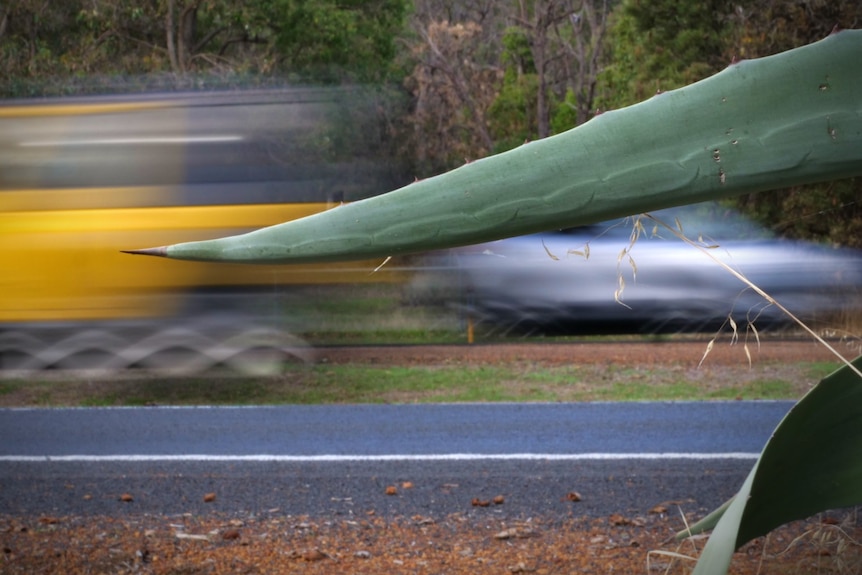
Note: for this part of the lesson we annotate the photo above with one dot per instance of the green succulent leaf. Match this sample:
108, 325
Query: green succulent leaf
812, 463
716, 556
787, 119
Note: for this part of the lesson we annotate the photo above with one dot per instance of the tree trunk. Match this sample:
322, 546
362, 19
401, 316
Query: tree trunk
170, 29
543, 124
461, 87
4, 23
186, 36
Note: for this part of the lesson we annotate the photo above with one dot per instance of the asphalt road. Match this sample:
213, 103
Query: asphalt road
339, 460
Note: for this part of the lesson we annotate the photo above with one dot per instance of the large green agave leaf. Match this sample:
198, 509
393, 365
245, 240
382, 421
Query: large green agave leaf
812, 463
787, 119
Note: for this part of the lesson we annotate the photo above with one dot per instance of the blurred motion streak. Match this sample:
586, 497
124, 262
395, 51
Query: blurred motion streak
81, 180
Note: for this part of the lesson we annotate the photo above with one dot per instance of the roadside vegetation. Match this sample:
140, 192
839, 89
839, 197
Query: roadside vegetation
493, 379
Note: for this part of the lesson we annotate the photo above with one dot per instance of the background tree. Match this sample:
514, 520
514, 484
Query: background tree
565, 43
514, 112
583, 61
476, 83
454, 49
79, 45
552, 57
335, 40
453, 87
662, 45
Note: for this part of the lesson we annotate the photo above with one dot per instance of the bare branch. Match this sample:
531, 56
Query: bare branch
4, 22
206, 39
242, 39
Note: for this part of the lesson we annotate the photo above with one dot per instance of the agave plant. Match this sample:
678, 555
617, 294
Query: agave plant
761, 124
784, 120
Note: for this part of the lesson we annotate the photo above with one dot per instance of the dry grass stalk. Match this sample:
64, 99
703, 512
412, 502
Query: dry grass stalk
772, 301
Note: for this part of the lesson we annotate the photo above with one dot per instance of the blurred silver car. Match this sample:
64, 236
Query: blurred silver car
625, 276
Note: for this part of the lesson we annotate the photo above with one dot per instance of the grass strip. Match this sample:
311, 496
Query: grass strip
517, 382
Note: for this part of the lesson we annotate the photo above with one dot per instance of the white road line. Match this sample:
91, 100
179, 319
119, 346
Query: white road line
375, 458
135, 141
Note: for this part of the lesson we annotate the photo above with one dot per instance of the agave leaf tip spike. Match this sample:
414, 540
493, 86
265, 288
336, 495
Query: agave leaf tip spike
161, 251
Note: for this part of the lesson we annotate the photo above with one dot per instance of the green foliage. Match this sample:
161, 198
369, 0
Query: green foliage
511, 117
830, 212
516, 51
329, 383
81, 46
662, 45
565, 113
331, 39
765, 27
